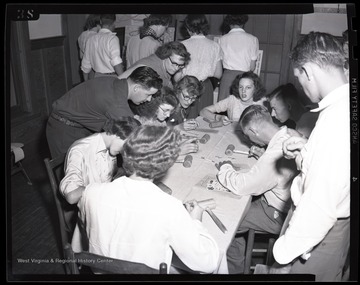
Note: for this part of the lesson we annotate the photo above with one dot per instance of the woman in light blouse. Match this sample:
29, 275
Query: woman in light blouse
246, 90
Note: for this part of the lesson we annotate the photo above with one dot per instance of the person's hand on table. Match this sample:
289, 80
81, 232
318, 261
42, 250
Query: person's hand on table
256, 151
191, 124
221, 163
225, 119
194, 209
189, 146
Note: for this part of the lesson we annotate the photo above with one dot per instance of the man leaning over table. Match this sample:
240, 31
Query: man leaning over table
318, 236
268, 181
84, 109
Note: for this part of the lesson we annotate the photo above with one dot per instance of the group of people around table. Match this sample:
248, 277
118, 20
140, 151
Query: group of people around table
132, 121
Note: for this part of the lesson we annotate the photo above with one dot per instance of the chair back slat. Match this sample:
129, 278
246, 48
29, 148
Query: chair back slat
66, 213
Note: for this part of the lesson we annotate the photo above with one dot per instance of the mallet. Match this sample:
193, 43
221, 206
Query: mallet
205, 138
188, 161
231, 149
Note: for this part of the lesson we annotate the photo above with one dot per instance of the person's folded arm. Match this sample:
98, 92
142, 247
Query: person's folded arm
73, 184
210, 112
325, 192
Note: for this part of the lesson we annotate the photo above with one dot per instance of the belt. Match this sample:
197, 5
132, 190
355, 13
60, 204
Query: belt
65, 121
109, 73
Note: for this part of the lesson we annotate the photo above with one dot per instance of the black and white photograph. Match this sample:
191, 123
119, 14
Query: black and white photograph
173, 142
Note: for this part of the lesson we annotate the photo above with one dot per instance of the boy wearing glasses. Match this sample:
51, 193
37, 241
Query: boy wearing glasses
167, 60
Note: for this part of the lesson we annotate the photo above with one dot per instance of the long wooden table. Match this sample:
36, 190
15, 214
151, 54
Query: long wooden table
230, 208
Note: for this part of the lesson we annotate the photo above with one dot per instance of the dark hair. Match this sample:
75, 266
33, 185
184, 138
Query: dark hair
320, 48
174, 47
192, 85
146, 77
121, 127
254, 114
259, 88
166, 96
197, 23
235, 19
150, 151
287, 93
157, 19
92, 21
107, 19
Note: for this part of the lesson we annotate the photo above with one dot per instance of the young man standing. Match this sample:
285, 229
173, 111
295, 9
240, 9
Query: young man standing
318, 236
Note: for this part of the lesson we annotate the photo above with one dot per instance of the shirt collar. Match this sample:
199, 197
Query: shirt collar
101, 147
332, 97
106, 31
197, 36
236, 30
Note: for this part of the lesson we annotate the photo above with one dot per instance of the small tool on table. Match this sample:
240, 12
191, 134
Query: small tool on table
208, 205
231, 149
187, 161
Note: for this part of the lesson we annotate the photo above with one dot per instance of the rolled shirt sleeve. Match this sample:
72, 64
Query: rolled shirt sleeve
114, 47
73, 177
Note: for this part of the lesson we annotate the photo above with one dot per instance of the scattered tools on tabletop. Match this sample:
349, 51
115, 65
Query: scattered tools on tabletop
208, 205
216, 124
205, 138
187, 161
231, 149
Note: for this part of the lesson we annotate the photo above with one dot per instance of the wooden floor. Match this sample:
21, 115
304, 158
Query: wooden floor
32, 222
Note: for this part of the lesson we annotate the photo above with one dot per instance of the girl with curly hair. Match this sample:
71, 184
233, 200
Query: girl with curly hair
246, 90
133, 219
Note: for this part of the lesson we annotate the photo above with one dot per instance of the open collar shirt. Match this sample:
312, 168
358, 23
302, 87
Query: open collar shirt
238, 48
205, 54
271, 175
321, 192
87, 161
135, 220
102, 52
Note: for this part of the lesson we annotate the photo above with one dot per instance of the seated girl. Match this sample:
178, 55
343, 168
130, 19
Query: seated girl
163, 106
246, 90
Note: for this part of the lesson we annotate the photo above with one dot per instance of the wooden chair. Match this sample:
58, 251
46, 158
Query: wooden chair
106, 265
16, 165
251, 251
67, 214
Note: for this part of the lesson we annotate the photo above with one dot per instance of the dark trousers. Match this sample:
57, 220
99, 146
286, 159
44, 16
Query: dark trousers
260, 217
328, 257
60, 136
